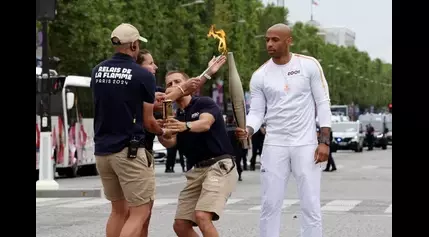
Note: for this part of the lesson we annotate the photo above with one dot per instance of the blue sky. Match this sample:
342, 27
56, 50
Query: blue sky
371, 20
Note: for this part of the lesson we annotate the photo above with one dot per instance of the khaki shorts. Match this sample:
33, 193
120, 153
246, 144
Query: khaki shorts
207, 189
130, 179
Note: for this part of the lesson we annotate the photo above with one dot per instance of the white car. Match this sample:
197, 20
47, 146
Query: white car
159, 151
347, 136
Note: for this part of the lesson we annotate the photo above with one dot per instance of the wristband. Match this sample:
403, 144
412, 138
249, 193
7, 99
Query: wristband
207, 76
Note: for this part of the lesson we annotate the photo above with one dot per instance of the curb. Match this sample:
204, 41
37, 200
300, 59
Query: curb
69, 193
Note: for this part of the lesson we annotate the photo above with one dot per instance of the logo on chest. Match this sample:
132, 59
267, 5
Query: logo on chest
294, 72
195, 115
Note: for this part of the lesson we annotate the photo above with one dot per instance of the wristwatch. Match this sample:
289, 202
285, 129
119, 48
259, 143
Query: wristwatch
324, 140
188, 126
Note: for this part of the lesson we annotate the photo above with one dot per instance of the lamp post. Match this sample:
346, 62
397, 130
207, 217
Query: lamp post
45, 11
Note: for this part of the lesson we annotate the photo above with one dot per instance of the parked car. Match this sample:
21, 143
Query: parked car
389, 138
347, 136
159, 151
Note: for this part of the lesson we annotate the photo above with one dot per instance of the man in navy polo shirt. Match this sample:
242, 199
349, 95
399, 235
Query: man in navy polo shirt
123, 99
204, 141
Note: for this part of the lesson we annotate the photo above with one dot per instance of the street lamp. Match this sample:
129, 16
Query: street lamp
45, 12
192, 3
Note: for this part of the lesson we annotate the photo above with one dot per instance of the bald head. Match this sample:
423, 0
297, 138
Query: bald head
282, 29
278, 39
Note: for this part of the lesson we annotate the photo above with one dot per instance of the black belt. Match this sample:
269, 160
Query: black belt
142, 145
212, 161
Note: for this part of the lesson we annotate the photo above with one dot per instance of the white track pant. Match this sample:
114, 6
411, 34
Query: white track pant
276, 165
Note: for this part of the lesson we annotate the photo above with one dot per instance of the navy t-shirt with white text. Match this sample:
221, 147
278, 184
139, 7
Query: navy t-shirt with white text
120, 87
215, 142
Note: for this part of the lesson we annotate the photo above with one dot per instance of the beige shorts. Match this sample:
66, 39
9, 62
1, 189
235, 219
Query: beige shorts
207, 189
130, 179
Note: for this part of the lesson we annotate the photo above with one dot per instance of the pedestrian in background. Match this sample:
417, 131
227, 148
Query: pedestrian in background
331, 161
171, 160
257, 145
231, 125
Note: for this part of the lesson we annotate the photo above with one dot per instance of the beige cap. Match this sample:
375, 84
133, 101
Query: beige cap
126, 33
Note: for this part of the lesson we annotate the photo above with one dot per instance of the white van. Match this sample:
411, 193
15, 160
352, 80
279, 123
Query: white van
72, 118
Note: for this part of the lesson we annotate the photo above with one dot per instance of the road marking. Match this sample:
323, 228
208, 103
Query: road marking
39, 200
340, 205
242, 213
255, 208
289, 202
232, 201
164, 201
170, 183
369, 167
85, 203
389, 209
286, 203
57, 201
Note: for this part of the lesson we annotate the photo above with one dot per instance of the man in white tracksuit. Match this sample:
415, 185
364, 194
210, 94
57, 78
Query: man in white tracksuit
293, 89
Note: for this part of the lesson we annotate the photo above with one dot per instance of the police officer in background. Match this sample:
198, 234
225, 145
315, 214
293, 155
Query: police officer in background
331, 161
370, 136
123, 94
171, 160
243, 158
204, 141
236, 144
257, 145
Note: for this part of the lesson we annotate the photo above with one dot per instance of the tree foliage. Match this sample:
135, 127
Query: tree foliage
80, 36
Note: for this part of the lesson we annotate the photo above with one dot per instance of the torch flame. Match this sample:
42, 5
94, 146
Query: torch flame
221, 36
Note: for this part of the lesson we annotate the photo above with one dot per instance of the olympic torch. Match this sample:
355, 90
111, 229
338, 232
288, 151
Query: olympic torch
235, 88
237, 96
221, 36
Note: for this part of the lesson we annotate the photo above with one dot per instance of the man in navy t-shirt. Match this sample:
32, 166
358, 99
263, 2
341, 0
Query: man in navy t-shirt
123, 100
204, 141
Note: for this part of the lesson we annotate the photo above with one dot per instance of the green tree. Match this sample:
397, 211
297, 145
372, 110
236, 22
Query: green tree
177, 36
80, 34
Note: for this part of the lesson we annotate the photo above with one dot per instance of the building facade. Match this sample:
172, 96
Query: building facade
340, 36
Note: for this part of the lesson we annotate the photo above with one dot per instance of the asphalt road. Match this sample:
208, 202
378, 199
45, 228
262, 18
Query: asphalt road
356, 201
